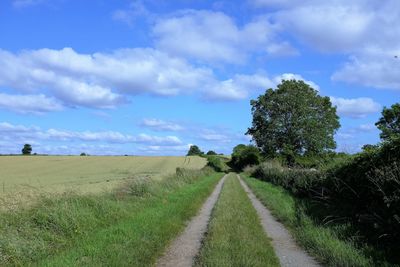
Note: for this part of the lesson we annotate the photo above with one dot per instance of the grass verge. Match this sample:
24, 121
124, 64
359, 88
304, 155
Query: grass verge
235, 236
322, 242
130, 227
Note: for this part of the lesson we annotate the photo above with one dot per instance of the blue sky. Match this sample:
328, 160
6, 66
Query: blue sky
152, 77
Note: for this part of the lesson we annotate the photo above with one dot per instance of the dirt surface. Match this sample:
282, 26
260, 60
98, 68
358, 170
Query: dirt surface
183, 250
288, 252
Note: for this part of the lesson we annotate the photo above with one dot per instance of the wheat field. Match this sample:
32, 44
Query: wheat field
86, 174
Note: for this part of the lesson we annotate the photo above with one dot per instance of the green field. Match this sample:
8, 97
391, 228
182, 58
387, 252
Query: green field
86, 174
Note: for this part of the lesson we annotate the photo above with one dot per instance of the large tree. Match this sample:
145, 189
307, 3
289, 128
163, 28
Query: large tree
293, 119
194, 151
389, 123
27, 149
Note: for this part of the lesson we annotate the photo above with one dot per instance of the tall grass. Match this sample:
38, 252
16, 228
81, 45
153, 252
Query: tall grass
128, 227
325, 243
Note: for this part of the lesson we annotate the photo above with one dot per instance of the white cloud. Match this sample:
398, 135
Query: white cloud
215, 37
367, 127
215, 137
102, 80
355, 107
160, 125
135, 10
379, 69
238, 87
23, 133
29, 103
90, 80
327, 26
362, 29
156, 140
292, 76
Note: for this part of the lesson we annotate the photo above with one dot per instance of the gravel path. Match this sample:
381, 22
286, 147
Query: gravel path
288, 252
183, 250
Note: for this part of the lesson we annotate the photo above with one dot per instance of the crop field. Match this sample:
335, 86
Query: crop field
85, 174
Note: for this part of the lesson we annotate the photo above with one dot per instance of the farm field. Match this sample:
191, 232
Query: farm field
85, 174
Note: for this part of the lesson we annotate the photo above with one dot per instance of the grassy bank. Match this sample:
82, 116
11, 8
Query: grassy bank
324, 243
129, 227
235, 235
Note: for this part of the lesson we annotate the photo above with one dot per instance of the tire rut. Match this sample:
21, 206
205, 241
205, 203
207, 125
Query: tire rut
288, 252
184, 249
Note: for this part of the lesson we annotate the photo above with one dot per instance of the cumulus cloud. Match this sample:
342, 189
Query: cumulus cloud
361, 29
379, 69
36, 104
292, 76
215, 37
355, 107
238, 87
88, 80
160, 125
328, 27
20, 133
105, 80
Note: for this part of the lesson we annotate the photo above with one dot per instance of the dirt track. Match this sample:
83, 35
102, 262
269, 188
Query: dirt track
288, 252
184, 248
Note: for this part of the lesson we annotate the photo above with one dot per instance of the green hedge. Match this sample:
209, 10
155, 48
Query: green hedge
363, 190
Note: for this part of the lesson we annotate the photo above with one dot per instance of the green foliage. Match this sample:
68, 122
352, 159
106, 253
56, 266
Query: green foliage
27, 149
366, 191
322, 161
363, 190
326, 242
243, 156
217, 163
292, 120
83, 154
194, 151
389, 123
297, 180
211, 152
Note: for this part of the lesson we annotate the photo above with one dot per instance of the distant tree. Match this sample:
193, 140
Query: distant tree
83, 154
243, 156
27, 149
194, 151
389, 123
210, 153
293, 120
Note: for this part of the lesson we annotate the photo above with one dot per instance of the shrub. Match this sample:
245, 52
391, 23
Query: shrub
363, 190
243, 156
217, 163
302, 182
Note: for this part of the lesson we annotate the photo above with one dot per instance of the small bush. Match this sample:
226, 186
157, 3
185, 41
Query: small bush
217, 163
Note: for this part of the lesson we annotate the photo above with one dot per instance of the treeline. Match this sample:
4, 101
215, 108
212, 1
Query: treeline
294, 127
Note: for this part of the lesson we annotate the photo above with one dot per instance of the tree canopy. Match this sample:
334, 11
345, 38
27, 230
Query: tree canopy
389, 123
211, 152
243, 156
194, 151
293, 119
27, 149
